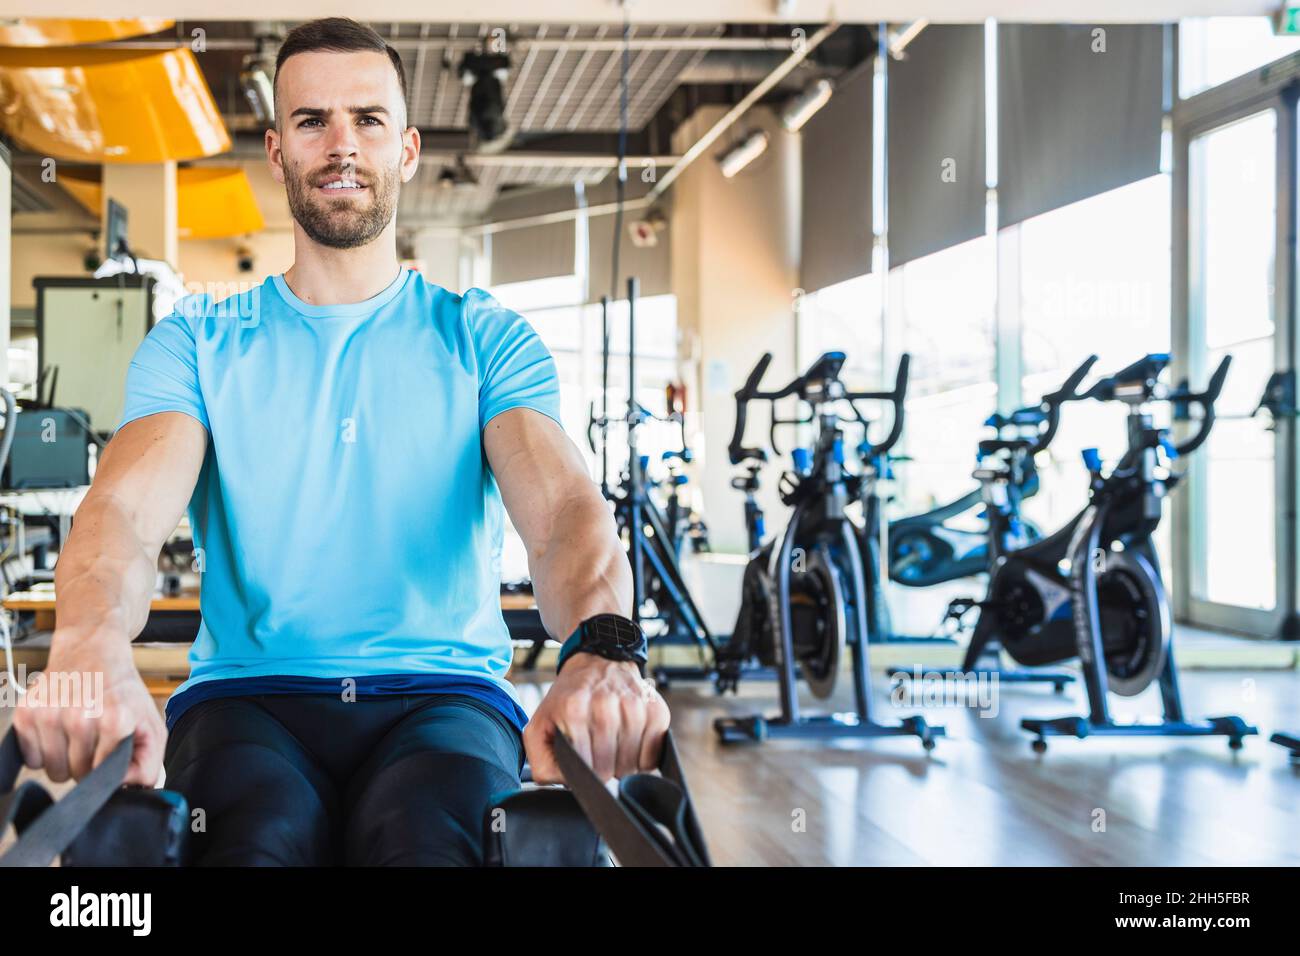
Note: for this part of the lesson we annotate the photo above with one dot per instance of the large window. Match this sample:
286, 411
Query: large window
946, 304
1213, 50
943, 305
844, 317
1094, 279
573, 335
1233, 209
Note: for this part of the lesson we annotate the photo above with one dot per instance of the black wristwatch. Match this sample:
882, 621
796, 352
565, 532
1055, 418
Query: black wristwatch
611, 636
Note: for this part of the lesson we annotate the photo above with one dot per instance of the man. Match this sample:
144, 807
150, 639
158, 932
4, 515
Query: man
348, 433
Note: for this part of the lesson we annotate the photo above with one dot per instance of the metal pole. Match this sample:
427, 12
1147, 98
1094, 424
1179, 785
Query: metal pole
604, 395
635, 527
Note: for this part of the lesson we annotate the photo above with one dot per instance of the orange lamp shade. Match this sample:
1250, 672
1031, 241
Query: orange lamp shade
212, 202
60, 31
109, 106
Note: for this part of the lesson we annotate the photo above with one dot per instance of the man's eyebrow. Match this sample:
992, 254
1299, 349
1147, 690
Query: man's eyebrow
315, 111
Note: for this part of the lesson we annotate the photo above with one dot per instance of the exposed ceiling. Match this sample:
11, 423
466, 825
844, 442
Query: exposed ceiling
678, 11
561, 96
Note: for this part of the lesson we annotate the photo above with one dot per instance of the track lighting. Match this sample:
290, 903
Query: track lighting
484, 74
743, 153
803, 106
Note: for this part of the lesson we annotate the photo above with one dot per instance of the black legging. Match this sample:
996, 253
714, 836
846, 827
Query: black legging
314, 780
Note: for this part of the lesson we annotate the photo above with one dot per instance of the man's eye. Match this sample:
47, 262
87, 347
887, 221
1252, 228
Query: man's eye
373, 119
305, 122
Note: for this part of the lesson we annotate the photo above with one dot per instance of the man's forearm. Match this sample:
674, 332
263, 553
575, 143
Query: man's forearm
582, 569
105, 575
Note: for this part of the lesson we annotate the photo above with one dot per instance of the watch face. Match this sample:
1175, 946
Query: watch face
616, 631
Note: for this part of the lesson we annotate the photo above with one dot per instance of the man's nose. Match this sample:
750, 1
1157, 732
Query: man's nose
343, 144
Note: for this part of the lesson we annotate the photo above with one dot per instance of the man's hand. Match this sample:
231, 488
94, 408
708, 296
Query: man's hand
614, 718
68, 737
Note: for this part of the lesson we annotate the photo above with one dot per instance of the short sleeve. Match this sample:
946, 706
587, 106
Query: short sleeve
516, 369
164, 374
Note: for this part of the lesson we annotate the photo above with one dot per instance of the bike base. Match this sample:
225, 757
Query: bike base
757, 728
1058, 679
1232, 727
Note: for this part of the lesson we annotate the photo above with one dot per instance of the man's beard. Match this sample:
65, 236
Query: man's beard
342, 223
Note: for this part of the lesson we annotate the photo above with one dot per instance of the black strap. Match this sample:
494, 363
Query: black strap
46, 830
651, 822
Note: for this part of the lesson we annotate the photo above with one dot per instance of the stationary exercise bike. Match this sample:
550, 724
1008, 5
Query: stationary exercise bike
653, 538
1093, 590
804, 595
926, 550
1007, 474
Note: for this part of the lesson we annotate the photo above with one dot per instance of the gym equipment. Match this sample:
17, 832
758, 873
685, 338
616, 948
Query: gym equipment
89, 329
98, 823
651, 822
682, 523
652, 539
805, 596
1007, 475
1291, 742
924, 550
1093, 590
655, 536
51, 450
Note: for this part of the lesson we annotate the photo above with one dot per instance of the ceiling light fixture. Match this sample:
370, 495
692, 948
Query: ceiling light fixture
802, 107
743, 153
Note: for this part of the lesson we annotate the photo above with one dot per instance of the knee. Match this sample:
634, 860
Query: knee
266, 834
250, 808
425, 810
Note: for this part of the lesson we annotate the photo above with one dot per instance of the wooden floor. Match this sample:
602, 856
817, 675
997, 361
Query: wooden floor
984, 798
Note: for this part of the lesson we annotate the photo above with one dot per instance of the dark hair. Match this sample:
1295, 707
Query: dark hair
339, 35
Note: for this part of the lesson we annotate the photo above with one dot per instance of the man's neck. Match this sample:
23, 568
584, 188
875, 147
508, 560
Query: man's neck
342, 276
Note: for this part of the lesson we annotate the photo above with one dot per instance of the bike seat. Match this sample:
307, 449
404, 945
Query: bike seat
1030, 415
990, 445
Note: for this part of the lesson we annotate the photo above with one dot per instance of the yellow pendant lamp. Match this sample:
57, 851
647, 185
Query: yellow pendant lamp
101, 105
61, 31
213, 202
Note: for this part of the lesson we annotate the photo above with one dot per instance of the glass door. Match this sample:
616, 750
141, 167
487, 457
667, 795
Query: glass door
1231, 515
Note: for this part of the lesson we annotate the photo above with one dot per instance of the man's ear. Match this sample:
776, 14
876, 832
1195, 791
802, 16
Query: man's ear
408, 172
274, 157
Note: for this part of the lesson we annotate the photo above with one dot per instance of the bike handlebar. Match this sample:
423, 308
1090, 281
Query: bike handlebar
826, 369
1144, 371
736, 449
1205, 399
1046, 412
897, 397
1052, 404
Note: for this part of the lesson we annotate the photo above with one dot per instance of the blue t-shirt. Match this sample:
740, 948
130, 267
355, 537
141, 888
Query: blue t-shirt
345, 519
